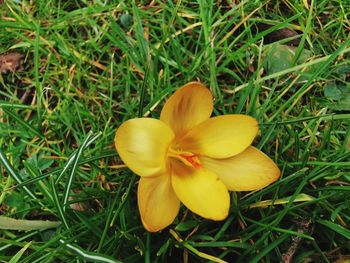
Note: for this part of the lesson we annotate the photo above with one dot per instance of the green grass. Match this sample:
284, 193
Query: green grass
90, 65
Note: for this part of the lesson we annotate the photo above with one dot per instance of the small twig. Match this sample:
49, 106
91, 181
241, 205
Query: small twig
25, 95
303, 227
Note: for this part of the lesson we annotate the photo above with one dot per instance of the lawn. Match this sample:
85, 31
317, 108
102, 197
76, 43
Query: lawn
71, 72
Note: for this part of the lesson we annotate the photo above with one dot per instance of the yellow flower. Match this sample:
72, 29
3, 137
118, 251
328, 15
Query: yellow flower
189, 157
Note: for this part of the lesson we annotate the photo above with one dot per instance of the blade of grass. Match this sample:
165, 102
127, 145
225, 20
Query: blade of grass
336, 228
5, 104
59, 170
269, 247
75, 165
73, 156
58, 205
25, 125
8, 167
89, 256
20, 253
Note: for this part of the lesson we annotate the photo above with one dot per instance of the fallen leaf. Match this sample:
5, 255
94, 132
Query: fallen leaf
76, 206
11, 62
279, 34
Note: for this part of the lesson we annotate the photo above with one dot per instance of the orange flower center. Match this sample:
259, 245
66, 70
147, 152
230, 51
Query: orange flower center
192, 159
187, 158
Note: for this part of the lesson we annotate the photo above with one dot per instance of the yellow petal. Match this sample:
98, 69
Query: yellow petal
220, 137
187, 107
247, 171
142, 145
200, 190
157, 202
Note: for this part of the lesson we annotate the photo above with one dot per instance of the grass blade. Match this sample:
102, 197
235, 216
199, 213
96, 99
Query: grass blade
20, 253
25, 125
73, 156
75, 165
58, 205
89, 256
5, 104
336, 228
11, 172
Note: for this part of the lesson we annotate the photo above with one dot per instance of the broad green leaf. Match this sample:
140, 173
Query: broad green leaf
26, 225
341, 105
17, 202
339, 96
281, 57
126, 21
333, 92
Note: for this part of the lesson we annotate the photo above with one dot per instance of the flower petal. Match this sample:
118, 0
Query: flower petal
158, 204
201, 191
142, 145
220, 137
187, 107
247, 171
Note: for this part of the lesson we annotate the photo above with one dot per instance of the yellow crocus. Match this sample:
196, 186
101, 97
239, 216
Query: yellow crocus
189, 157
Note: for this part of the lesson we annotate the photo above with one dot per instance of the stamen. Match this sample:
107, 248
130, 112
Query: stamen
192, 159
187, 158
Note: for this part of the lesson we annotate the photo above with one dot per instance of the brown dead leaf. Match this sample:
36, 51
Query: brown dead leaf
11, 62
77, 206
279, 34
